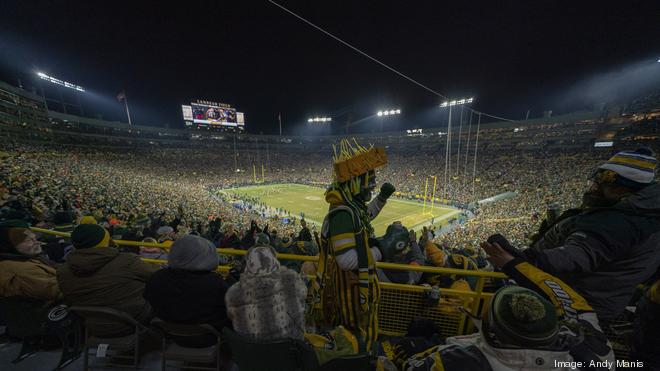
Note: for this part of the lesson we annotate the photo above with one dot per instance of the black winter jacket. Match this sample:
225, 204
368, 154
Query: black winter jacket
182, 296
604, 253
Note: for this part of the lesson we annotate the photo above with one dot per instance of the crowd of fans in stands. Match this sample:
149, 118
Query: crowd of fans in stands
164, 196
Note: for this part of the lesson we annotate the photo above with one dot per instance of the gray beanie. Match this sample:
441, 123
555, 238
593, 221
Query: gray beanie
193, 253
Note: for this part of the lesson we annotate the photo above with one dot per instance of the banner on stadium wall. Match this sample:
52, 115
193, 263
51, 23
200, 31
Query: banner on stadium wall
240, 118
187, 113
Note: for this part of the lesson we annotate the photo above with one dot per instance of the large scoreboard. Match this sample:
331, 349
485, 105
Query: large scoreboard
208, 113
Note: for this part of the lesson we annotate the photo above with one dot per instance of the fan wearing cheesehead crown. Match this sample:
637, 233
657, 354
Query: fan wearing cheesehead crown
347, 287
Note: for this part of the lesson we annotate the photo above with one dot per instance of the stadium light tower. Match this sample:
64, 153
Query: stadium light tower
66, 84
390, 112
319, 119
457, 102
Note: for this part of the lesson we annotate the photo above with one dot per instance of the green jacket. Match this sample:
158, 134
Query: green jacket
105, 277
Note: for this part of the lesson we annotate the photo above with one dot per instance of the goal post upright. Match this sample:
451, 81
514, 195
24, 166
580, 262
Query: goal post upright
426, 189
435, 179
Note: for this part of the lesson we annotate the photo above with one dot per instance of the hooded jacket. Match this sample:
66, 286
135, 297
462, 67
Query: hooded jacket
604, 253
28, 277
105, 277
268, 303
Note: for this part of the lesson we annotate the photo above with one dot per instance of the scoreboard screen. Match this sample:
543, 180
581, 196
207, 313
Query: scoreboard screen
208, 113
213, 115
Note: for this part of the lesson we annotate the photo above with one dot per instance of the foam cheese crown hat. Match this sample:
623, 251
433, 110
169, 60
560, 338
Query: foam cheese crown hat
353, 160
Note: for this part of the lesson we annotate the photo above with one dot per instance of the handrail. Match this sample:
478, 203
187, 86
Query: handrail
381, 265
477, 296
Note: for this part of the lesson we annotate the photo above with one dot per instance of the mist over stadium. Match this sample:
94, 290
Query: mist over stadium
329, 186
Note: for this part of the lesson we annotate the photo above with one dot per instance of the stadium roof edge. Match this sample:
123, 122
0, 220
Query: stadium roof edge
574, 116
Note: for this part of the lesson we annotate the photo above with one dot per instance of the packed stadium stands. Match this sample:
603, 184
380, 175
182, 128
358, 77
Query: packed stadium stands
136, 181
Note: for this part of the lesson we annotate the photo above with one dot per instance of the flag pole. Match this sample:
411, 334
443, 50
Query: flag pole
279, 117
128, 113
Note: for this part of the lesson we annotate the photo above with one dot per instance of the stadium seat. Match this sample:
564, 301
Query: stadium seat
41, 325
175, 352
281, 355
103, 318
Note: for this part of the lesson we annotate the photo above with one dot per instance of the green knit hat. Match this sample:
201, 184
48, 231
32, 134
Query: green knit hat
395, 243
88, 235
521, 317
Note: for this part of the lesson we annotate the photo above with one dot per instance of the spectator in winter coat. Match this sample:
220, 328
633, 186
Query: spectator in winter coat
541, 324
403, 249
96, 274
23, 273
189, 290
612, 244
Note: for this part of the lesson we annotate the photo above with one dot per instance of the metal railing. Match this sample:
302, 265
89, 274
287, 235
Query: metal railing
399, 304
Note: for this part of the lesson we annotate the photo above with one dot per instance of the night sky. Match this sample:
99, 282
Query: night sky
512, 56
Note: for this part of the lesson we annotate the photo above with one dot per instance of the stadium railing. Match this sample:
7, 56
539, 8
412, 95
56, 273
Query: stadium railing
400, 303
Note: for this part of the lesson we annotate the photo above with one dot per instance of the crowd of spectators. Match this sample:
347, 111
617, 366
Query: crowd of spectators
167, 196
134, 193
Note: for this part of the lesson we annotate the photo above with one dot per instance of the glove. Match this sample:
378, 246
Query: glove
386, 191
408, 347
505, 244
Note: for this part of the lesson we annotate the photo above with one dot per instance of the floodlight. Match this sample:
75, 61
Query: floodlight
319, 119
389, 112
54, 80
457, 102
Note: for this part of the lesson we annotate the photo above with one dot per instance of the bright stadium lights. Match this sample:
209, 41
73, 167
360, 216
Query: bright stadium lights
456, 102
389, 112
319, 119
60, 82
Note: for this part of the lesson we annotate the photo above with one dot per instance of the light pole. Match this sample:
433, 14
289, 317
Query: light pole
451, 104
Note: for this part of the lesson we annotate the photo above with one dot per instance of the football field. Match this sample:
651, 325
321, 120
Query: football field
297, 198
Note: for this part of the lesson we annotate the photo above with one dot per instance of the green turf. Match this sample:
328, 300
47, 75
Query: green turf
298, 198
